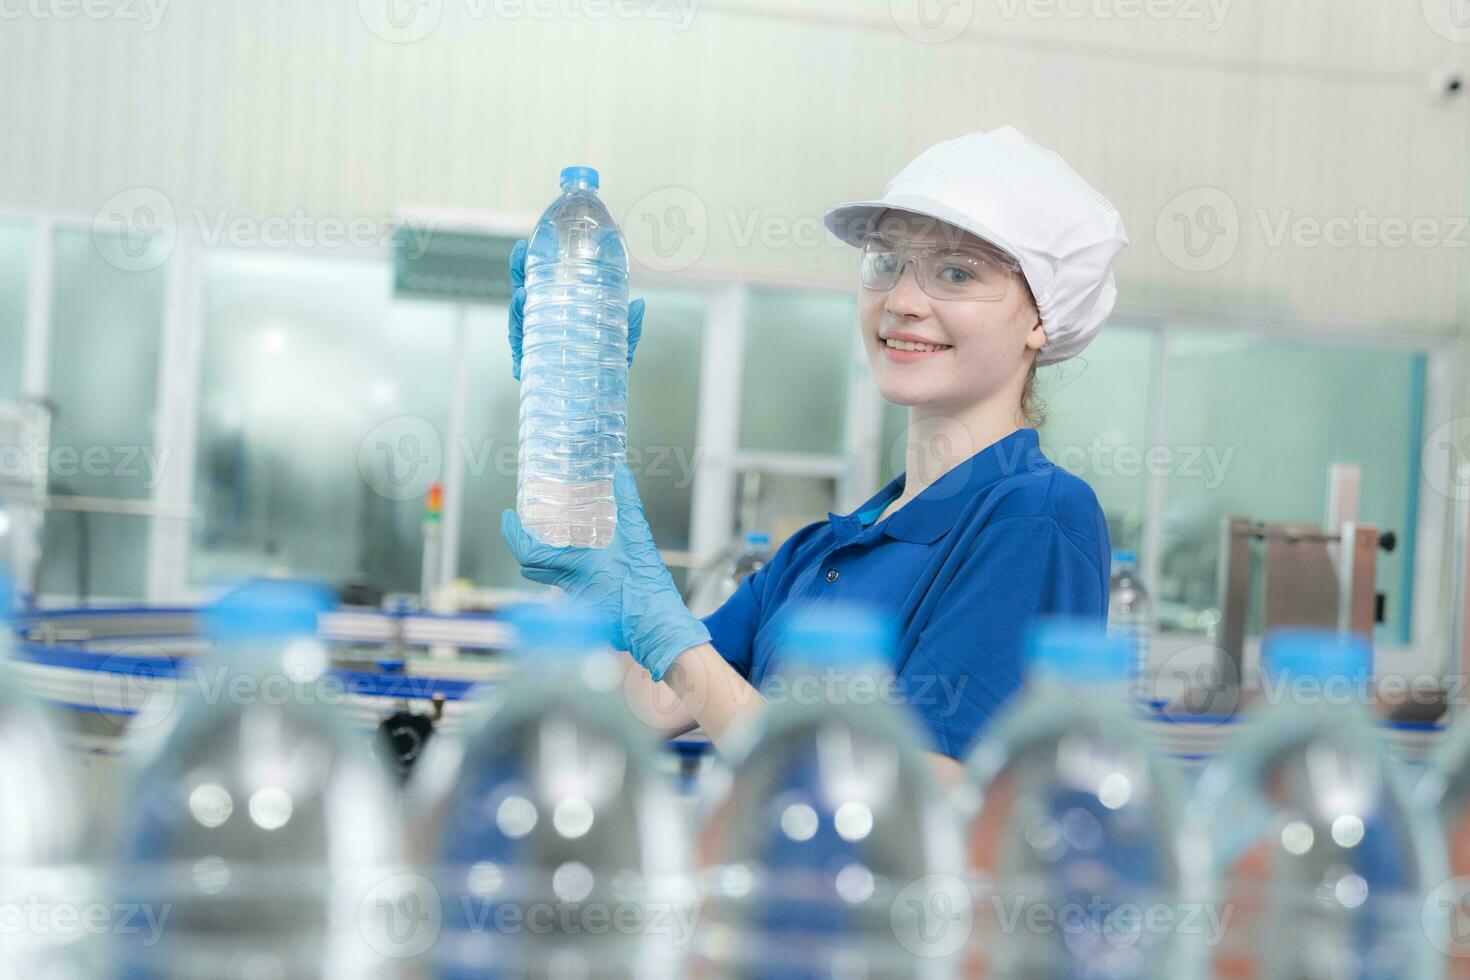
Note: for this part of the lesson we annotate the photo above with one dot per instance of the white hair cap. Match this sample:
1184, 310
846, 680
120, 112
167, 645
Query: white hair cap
1024, 199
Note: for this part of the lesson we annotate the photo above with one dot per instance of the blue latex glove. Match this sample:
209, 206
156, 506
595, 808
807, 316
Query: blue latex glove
518, 309
626, 581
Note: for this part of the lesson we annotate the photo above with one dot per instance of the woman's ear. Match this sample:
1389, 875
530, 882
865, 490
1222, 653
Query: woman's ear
1036, 336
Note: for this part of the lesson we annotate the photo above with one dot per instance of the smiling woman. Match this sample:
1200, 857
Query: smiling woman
947, 312
982, 535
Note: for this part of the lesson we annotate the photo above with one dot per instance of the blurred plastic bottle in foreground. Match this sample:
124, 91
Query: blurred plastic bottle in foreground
44, 882
260, 821
1444, 790
555, 843
832, 852
1131, 618
1076, 829
1305, 832
574, 369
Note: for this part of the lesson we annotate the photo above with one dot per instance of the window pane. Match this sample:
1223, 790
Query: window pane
322, 415
1265, 420
15, 250
794, 386
663, 419
104, 372
663, 412
490, 468
1098, 408
93, 556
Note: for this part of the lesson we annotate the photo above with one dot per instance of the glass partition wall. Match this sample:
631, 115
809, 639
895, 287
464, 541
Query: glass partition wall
323, 415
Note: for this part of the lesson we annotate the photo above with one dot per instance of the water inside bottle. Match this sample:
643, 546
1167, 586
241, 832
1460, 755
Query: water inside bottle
569, 515
574, 380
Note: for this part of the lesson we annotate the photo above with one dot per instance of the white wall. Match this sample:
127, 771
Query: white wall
771, 110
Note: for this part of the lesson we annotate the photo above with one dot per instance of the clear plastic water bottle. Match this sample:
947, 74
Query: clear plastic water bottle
1304, 831
574, 369
555, 843
1131, 617
717, 581
45, 883
830, 840
751, 558
1073, 847
258, 827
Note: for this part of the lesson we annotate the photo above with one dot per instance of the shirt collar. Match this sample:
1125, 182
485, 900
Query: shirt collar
931, 515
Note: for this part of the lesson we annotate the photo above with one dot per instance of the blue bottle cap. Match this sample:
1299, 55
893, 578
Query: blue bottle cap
758, 539
571, 175
266, 608
836, 634
1122, 556
1078, 651
1294, 652
558, 628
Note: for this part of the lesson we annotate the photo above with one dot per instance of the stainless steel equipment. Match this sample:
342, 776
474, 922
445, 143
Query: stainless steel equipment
1310, 575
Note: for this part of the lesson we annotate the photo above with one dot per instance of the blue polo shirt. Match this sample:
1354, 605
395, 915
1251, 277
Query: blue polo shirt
963, 570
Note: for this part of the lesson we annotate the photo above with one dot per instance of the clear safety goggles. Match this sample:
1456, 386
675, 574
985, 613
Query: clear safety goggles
947, 272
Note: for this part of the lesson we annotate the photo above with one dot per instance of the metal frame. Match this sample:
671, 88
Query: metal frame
35, 381
459, 393
1457, 660
1314, 576
1356, 565
180, 354
1156, 489
723, 362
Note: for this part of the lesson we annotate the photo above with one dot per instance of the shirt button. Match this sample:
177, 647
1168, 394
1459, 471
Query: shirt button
831, 574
